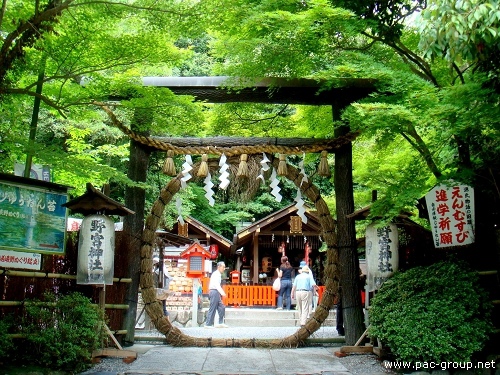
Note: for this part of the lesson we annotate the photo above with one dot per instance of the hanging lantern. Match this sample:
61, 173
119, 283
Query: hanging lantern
214, 251
307, 251
96, 251
281, 249
267, 265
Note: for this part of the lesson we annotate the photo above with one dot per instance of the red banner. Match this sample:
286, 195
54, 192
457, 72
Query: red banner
214, 251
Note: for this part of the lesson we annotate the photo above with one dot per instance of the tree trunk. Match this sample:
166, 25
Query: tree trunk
133, 224
346, 240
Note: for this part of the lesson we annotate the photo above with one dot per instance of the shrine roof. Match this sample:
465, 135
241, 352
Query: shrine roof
277, 218
206, 229
93, 201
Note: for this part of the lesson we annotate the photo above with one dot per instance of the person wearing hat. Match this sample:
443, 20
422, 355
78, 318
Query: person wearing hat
313, 288
301, 291
215, 295
157, 278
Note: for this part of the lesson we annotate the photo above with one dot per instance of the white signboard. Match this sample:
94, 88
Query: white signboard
451, 214
73, 224
18, 259
382, 258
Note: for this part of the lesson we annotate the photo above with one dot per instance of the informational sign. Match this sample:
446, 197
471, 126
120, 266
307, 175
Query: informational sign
382, 258
182, 229
295, 224
32, 218
96, 251
451, 214
18, 259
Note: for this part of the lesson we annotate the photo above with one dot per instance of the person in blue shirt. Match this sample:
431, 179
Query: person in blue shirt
314, 287
301, 291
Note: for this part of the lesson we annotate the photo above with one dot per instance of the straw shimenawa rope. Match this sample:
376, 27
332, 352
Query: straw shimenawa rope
203, 170
174, 335
169, 166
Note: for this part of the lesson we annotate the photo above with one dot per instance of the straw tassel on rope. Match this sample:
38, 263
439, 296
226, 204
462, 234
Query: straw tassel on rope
203, 170
282, 170
169, 166
324, 168
243, 167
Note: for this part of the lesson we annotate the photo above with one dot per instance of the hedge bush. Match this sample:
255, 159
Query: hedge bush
6, 344
61, 332
437, 313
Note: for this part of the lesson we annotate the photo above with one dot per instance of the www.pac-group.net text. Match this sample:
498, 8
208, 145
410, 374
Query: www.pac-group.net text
397, 365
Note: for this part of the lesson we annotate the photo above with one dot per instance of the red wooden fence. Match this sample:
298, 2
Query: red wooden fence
254, 295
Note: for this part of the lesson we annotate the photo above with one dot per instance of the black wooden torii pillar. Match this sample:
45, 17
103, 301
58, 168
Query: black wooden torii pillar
338, 93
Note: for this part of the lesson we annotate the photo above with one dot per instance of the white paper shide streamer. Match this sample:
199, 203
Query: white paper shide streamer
264, 166
224, 174
186, 168
302, 170
178, 205
301, 211
208, 189
275, 188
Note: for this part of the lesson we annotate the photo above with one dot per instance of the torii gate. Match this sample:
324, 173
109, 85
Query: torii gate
297, 91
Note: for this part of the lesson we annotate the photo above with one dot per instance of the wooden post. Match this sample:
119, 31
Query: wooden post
255, 276
194, 317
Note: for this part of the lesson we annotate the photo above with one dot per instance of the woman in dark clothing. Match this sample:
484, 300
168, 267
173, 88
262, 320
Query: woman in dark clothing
285, 273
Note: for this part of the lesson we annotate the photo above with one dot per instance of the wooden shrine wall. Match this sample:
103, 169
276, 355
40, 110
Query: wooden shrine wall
21, 288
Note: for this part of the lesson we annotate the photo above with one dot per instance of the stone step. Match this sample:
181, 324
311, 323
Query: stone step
255, 317
233, 322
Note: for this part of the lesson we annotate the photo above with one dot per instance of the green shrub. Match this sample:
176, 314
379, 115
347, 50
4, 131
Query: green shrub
437, 313
6, 344
62, 331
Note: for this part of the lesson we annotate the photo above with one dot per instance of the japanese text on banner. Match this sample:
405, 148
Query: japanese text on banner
451, 214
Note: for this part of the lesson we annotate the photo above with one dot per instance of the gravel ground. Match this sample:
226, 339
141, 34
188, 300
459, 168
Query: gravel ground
354, 363
364, 364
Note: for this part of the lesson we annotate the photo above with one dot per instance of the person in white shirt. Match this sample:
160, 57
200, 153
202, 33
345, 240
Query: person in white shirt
157, 278
166, 277
301, 290
215, 295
